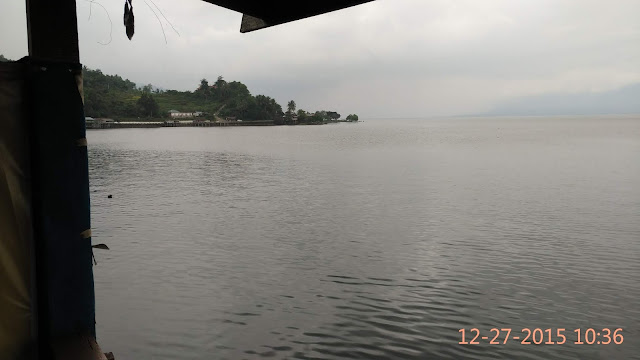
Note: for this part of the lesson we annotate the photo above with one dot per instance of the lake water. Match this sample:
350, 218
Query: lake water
375, 240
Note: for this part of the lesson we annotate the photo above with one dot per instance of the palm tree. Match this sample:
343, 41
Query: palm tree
291, 106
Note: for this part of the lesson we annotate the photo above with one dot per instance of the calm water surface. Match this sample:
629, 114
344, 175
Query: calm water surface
375, 240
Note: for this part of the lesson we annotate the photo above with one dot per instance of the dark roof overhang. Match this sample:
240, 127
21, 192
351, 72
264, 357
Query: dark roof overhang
261, 14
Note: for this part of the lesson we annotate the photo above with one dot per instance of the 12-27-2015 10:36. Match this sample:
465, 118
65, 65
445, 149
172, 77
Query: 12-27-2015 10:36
549, 336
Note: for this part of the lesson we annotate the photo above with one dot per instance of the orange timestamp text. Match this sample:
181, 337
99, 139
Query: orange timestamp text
495, 336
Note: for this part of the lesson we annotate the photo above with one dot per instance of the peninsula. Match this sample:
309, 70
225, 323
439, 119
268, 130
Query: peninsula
111, 101
111, 96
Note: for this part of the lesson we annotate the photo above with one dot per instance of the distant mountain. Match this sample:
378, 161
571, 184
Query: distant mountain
625, 100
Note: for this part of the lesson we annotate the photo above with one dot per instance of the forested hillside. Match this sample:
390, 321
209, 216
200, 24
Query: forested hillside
111, 96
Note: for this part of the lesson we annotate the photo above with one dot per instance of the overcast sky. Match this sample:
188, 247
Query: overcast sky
387, 58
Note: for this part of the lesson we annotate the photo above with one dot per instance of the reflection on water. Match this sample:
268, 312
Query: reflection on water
377, 240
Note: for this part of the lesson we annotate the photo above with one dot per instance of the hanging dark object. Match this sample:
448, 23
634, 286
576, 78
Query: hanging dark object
97, 246
128, 18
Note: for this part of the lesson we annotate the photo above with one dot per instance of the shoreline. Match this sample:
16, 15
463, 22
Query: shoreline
97, 124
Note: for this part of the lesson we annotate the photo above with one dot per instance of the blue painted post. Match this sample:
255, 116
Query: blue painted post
60, 183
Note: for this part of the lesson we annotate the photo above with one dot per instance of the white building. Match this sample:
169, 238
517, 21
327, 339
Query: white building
175, 114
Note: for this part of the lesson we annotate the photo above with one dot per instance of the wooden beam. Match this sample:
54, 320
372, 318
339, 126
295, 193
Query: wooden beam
59, 185
53, 30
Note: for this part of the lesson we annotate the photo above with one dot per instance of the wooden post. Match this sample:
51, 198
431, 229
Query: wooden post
65, 306
53, 30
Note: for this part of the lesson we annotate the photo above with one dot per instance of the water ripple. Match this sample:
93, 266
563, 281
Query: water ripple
378, 241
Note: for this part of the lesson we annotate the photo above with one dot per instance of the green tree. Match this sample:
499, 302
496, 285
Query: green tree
3, 59
108, 95
322, 115
203, 90
204, 85
352, 117
333, 115
317, 117
237, 89
268, 108
148, 105
291, 107
220, 82
220, 89
302, 116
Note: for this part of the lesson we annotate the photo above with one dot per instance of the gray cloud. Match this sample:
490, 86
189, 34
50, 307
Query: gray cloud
385, 58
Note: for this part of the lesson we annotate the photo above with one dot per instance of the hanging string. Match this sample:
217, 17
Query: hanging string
91, 2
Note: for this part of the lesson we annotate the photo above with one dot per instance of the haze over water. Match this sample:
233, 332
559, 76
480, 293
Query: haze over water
375, 240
